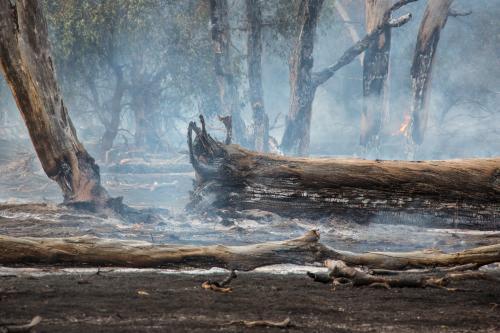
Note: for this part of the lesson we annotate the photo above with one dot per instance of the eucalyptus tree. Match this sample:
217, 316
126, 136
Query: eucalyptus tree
27, 65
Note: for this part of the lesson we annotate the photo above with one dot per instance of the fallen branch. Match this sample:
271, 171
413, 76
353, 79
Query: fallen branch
220, 286
343, 274
262, 323
417, 259
20, 328
87, 250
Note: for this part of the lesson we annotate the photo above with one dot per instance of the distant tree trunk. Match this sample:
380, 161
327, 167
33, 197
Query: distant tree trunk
348, 22
145, 136
3, 111
27, 65
302, 90
435, 17
254, 61
112, 124
228, 92
375, 73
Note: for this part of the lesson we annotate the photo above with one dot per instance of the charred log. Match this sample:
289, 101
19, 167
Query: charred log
453, 191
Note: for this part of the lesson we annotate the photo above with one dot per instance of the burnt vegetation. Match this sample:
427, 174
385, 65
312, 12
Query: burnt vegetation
372, 122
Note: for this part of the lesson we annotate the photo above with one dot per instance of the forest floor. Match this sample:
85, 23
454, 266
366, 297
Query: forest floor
152, 302
159, 300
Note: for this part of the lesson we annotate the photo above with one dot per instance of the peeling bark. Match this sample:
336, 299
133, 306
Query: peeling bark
27, 65
446, 192
228, 91
254, 62
434, 20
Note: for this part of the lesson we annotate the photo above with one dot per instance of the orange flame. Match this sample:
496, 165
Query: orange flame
403, 128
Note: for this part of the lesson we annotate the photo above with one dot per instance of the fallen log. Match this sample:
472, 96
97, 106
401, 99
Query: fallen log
93, 251
454, 192
87, 250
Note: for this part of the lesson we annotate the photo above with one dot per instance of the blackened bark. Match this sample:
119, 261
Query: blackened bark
302, 90
26, 63
254, 63
445, 193
375, 72
228, 91
434, 20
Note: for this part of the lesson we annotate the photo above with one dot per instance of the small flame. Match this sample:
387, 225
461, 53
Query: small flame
403, 128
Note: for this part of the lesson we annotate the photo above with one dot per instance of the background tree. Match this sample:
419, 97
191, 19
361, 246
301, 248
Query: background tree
434, 19
254, 63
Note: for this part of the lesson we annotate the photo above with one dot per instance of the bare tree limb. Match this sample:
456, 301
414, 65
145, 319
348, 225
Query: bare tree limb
350, 54
457, 13
397, 22
400, 4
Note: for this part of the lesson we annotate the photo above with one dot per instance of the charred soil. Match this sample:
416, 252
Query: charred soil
153, 302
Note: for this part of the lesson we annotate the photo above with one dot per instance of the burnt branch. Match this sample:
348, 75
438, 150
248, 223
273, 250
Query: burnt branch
350, 54
457, 13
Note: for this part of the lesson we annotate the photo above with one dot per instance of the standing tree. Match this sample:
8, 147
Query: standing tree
26, 63
302, 90
435, 17
375, 73
254, 62
224, 72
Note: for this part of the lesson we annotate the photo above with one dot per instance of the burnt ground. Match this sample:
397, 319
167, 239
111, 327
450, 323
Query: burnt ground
110, 302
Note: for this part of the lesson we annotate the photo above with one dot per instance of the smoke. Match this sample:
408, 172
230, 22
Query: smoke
465, 93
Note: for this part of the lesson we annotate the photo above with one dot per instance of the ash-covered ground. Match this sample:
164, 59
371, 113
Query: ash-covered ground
121, 300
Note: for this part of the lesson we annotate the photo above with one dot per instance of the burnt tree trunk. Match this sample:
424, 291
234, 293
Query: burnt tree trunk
441, 192
112, 124
303, 82
254, 63
27, 65
375, 73
434, 20
228, 91
302, 90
